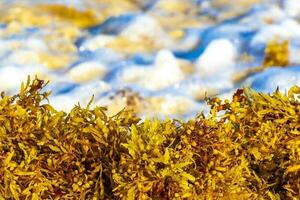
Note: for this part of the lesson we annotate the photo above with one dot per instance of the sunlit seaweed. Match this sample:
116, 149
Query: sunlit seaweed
247, 148
276, 54
45, 14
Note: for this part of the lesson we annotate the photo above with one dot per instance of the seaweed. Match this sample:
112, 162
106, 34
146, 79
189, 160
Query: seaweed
246, 148
276, 54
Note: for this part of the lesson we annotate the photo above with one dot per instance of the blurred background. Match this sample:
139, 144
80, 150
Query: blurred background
158, 57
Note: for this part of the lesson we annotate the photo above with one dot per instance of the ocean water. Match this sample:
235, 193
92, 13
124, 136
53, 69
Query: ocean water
161, 58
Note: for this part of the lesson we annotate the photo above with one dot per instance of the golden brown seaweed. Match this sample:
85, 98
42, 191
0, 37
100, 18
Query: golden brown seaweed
247, 148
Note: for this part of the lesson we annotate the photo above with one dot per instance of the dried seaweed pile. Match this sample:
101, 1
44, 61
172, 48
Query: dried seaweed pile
248, 148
